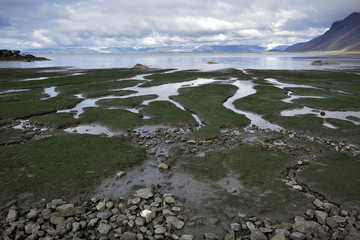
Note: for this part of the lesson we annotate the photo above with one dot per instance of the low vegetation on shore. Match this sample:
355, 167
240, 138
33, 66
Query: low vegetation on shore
314, 155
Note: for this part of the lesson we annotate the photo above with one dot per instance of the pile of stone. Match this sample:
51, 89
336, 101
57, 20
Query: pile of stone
146, 216
150, 215
9, 55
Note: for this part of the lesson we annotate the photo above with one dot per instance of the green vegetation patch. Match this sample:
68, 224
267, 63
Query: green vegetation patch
62, 166
333, 80
257, 170
28, 108
166, 113
204, 133
115, 119
11, 135
336, 175
56, 120
207, 102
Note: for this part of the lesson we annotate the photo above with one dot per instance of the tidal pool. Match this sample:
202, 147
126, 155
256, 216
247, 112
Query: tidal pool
93, 129
306, 110
51, 92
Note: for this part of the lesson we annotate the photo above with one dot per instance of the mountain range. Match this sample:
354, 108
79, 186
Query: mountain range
343, 35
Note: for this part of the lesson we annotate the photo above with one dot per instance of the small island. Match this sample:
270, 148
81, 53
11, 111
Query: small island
14, 55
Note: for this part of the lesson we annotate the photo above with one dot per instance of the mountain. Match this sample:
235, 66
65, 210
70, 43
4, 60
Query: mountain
343, 35
230, 48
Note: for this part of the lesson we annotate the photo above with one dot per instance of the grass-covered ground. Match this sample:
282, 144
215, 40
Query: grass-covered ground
62, 166
66, 165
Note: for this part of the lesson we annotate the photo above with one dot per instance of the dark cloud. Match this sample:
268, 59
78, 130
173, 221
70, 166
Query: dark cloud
4, 22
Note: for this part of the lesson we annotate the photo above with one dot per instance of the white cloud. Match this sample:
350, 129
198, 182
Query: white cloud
96, 23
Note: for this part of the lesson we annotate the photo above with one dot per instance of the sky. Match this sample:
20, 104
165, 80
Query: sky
95, 24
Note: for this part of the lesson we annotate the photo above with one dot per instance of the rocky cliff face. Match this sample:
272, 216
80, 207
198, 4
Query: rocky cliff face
343, 35
9, 55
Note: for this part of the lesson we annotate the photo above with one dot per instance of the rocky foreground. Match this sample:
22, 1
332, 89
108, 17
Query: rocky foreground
151, 215
9, 55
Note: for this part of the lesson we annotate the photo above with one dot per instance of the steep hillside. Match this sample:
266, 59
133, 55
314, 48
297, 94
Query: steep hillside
342, 36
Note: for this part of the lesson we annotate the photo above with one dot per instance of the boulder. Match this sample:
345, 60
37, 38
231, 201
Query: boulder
144, 193
140, 66
306, 226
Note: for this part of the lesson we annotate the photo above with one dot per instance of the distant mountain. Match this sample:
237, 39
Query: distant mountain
60, 50
279, 48
343, 35
230, 48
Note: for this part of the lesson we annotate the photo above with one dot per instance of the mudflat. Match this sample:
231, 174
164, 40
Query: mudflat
241, 153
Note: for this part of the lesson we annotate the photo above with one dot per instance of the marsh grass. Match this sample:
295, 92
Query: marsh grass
62, 166
207, 102
258, 170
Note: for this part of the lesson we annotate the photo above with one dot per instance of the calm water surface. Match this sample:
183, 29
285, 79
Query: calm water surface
290, 61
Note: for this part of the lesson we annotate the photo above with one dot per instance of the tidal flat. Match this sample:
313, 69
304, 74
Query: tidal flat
176, 132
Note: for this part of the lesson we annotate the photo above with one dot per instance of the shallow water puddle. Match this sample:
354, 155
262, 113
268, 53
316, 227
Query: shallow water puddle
328, 114
246, 88
14, 90
93, 129
51, 92
306, 110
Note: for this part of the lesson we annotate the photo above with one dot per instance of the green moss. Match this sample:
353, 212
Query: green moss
115, 119
10, 135
207, 102
166, 113
207, 132
62, 166
336, 175
55, 120
258, 170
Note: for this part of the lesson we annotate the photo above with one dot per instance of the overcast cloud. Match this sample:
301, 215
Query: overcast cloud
28, 24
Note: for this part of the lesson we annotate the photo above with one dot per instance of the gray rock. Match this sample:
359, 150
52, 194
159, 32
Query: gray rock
160, 230
93, 222
186, 237
104, 228
139, 221
331, 222
339, 219
319, 204
32, 228
211, 236
144, 193
250, 225
56, 220
256, 234
104, 215
285, 231
148, 215
230, 236
101, 206
306, 226
279, 236
76, 226
297, 236
32, 214
321, 217
178, 224
235, 227
12, 215
65, 207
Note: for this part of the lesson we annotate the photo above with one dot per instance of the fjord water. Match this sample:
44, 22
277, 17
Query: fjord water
285, 61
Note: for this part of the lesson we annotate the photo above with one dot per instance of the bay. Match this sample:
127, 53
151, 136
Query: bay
199, 61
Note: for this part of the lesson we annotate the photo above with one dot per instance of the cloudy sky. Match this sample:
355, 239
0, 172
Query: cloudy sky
28, 24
